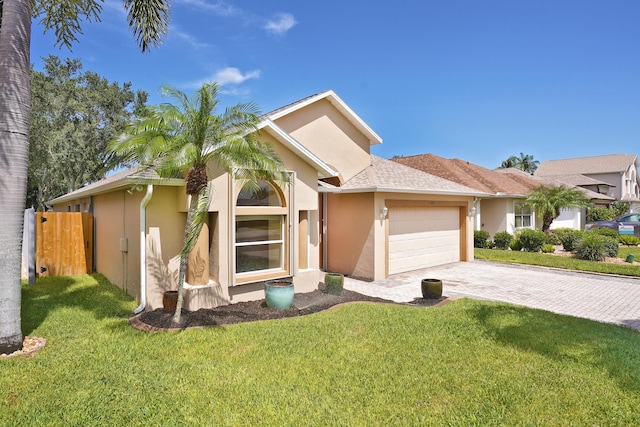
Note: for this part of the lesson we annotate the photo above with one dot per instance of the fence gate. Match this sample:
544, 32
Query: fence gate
64, 243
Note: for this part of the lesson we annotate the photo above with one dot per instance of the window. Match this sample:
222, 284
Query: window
523, 215
260, 231
259, 243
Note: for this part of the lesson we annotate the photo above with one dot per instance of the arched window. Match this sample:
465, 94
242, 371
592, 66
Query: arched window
260, 230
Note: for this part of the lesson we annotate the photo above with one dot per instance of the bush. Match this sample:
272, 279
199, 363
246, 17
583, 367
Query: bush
629, 240
570, 239
516, 245
603, 231
548, 249
595, 247
611, 247
552, 238
555, 238
532, 240
480, 238
502, 240
600, 214
490, 244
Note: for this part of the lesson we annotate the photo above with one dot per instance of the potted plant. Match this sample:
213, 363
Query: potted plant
431, 288
333, 283
279, 294
169, 301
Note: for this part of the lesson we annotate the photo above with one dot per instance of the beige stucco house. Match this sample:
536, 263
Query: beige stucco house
347, 212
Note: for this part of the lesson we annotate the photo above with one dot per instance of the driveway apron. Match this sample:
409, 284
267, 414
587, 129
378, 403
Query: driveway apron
605, 298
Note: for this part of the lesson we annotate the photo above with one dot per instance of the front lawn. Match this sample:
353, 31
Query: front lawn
466, 363
549, 260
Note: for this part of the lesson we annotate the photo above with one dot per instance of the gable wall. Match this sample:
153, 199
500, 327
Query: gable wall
324, 131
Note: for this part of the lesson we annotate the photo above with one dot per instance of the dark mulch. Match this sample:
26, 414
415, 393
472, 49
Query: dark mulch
303, 304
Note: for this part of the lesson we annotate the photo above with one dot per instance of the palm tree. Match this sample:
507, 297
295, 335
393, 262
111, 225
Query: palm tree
511, 162
148, 20
526, 163
548, 201
186, 140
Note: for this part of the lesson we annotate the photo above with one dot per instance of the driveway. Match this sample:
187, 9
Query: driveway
611, 299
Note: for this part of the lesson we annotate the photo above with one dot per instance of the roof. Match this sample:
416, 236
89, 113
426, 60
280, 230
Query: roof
387, 176
473, 176
338, 103
127, 178
577, 180
587, 165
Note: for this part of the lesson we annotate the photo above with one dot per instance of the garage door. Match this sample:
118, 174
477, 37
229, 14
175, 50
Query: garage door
423, 237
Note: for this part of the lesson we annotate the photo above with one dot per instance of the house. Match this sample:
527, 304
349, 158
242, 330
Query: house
346, 212
618, 172
503, 207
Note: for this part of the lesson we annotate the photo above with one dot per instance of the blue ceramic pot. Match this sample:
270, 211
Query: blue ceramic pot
279, 294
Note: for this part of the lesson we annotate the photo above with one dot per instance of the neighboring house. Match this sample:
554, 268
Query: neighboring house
619, 172
503, 207
572, 217
347, 212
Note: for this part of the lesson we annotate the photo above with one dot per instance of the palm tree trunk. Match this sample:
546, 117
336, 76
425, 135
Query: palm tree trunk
184, 258
15, 40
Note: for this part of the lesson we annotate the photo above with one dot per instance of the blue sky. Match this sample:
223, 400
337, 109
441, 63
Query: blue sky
478, 80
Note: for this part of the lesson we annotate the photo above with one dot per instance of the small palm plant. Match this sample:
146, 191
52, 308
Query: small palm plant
186, 139
548, 201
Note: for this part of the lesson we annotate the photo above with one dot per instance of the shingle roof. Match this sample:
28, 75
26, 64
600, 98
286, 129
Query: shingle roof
471, 175
576, 180
587, 165
385, 175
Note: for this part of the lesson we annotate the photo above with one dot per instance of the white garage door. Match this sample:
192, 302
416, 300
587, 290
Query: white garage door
423, 237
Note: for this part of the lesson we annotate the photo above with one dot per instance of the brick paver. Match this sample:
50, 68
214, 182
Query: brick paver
605, 298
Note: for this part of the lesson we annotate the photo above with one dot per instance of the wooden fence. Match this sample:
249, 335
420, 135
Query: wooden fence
64, 243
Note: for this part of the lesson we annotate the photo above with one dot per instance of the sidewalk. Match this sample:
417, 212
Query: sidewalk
611, 299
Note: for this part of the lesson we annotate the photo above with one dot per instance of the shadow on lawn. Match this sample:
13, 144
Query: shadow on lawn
93, 293
564, 338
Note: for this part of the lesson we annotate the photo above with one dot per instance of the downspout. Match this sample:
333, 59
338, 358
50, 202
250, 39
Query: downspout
143, 249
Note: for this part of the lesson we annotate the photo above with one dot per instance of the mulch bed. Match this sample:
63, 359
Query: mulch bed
303, 304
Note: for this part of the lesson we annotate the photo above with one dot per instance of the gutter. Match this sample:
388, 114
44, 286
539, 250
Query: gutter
143, 249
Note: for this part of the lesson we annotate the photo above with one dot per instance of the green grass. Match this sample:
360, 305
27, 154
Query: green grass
549, 260
466, 363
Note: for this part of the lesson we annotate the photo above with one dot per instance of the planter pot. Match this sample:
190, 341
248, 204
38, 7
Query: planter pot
169, 301
333, 283
431, 288
279, 294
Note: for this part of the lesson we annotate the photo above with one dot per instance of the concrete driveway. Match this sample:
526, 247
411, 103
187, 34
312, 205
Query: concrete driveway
612, 299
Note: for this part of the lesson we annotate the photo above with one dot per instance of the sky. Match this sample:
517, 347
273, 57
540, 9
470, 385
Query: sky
478, 80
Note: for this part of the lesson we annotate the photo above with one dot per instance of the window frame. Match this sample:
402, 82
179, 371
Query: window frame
522, 216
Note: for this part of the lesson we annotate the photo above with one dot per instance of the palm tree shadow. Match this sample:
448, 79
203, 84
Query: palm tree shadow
93, 293
564, 338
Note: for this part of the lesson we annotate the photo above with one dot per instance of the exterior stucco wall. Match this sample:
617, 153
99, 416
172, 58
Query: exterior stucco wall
323, 130
351, 234
494, 214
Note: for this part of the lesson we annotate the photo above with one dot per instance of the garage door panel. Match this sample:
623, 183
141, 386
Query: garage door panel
423, 237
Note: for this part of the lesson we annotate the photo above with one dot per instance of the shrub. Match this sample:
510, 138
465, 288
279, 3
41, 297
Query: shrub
532, 240
552, 238
611, 247
548, 249
595, 247
516, 245
490, 244
480, 238
629, 240
606, 232
555, 238
600, 214
570, 239
502, 239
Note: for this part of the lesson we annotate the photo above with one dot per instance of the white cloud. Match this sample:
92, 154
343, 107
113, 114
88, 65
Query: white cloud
234, 76
228, 78
281, 24
190, 40
218, 7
